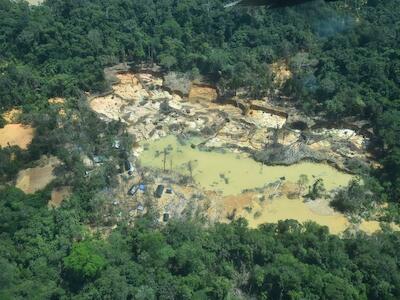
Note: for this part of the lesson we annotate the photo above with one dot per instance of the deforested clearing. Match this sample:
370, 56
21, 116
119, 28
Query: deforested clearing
34, 179
16, 135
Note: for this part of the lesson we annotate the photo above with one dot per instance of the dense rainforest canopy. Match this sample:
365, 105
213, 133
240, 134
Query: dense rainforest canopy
345, 61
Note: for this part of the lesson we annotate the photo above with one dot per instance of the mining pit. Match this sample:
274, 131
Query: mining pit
37, 178
224, 159
16, 135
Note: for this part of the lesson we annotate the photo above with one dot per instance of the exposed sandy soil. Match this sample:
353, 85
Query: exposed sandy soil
138, 104
229, 127
12, 115
109, 106
265, 119
129, 88
179, 202
56, 100
199, 93
16, 135
149, 79
35, 2
62, 113
370, 226
58, 195
281, 73
125, 92
34, 179
321, 207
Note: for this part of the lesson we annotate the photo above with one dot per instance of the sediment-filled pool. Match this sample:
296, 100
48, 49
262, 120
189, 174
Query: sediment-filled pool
228, 172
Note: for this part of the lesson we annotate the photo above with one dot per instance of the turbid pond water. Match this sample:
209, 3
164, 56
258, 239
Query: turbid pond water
231, 173
228, 172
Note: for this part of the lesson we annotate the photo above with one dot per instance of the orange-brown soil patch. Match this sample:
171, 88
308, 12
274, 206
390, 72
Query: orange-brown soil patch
58, 195
199, 93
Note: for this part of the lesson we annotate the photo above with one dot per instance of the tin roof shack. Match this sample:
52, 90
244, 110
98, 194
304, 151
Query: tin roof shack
133, 190
116, 144
159, 191
140, 207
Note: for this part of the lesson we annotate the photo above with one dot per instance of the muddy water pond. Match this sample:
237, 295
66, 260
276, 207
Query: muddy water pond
228, 172
232, 173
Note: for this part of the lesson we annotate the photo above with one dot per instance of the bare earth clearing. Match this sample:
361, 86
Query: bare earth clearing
199, 93
152, 113
16, 135
37, 178
11, 116
35, 2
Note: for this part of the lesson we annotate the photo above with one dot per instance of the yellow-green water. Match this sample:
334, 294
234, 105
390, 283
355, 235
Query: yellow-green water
229, 172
